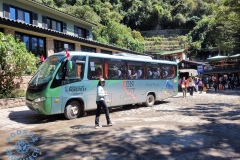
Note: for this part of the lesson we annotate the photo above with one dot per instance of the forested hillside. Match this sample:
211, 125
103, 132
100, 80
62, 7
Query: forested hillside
213, 23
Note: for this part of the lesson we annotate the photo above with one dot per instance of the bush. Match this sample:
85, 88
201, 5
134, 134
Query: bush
14, 94
15, 61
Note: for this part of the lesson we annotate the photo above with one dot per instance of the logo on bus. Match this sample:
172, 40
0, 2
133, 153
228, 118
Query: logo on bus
73, 89
22, 143
129, 89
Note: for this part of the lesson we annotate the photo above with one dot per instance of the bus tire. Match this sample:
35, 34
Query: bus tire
72, 110
150, 100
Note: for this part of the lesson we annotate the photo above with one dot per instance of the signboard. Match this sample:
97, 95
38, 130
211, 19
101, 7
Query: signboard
200, 68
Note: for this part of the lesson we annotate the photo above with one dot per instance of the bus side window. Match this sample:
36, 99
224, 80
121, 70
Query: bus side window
95, 68
116, 69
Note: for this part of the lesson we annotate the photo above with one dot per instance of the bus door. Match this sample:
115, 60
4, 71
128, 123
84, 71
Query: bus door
55, 89
68, 83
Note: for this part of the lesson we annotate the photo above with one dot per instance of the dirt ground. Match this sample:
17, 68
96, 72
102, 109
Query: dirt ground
202, 126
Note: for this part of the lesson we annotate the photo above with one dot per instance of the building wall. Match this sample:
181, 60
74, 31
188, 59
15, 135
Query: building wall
54, 14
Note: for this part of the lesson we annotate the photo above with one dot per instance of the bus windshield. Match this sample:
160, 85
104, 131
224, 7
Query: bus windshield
45, 71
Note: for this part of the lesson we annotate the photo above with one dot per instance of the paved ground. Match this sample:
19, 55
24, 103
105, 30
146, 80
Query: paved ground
203, 126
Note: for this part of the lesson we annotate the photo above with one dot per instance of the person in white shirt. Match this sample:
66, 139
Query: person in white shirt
119, 73
100, 101
191, 85
139, 73
129, 74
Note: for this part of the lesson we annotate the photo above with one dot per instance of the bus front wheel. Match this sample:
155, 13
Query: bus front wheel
150, 100
72, 110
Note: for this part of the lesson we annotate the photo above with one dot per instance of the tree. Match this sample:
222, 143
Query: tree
15, 61
59, 3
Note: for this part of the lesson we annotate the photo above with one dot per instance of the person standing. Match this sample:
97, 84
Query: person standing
196, 83
191, 85
215, 84
200, 85
184, 85
100, 101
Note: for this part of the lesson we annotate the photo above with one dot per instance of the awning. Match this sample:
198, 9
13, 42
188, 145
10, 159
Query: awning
235, 56
217, 58
192, 72
163, 53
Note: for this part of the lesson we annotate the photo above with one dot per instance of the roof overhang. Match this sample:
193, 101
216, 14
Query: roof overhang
217, 58
29, 27
56, 12
163, 53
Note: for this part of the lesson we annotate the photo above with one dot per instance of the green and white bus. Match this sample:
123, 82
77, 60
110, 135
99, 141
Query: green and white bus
69, 85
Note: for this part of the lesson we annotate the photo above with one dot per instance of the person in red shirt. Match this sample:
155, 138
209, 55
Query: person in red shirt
184, 85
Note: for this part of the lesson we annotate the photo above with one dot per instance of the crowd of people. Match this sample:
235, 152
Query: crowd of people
197, 84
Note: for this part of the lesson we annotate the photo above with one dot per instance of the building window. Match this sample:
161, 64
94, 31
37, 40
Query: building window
54, 25
59, 46
106, 52
19, 14
81, 32
34, 44
88, 49
2, 30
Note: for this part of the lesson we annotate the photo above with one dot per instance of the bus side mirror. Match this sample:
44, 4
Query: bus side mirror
69, 65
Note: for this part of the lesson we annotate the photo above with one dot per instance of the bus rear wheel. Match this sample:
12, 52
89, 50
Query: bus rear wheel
72, 110
150, 100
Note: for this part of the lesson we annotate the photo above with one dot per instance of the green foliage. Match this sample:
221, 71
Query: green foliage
13, 94
213, 23
15, 61
220, 30
59, 3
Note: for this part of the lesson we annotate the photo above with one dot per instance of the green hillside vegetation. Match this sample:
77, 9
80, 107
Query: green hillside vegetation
212, 23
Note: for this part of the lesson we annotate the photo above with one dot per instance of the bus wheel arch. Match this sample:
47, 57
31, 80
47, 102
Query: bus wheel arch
150, 99
74, 108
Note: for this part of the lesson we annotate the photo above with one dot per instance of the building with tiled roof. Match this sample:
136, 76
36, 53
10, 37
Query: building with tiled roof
46, 30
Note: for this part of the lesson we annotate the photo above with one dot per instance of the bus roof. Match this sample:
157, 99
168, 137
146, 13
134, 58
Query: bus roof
123, 56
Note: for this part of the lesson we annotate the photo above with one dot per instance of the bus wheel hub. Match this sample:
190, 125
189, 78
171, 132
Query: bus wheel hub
74, 110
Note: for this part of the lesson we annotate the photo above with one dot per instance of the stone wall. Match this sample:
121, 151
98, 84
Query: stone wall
165, 32
16, 102
12, 102
24, 83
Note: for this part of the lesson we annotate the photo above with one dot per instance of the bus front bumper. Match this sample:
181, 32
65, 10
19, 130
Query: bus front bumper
37, 107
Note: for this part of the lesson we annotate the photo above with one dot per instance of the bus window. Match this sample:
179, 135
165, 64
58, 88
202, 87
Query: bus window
80, 65
95, 68
136, 70
116, 69
153, 71
168, 71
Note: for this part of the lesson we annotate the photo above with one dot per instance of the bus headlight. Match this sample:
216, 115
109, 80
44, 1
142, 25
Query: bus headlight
40, 99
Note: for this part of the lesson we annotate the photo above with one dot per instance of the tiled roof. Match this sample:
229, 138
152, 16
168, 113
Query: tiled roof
31, 27
42, 5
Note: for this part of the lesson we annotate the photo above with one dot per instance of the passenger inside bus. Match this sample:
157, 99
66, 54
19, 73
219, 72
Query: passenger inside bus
139, 73
119, 73
134, 74
129, 74
124, 73
79, 70
149, 73
98, 73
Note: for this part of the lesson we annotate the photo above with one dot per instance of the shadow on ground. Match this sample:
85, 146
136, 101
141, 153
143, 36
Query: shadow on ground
218, 139
31, 117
